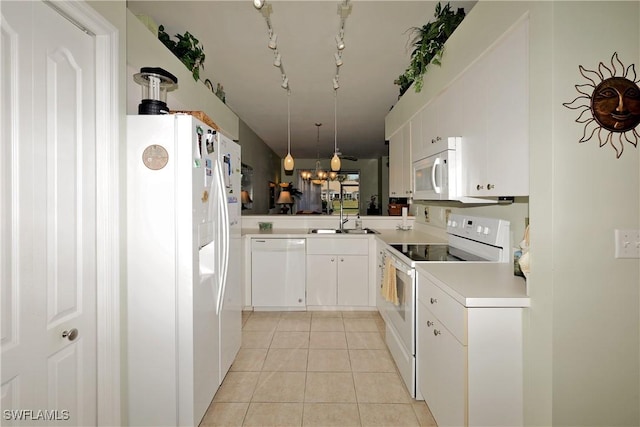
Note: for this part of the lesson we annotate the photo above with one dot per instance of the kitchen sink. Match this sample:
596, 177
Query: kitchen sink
325, 231
343, 231
360, 231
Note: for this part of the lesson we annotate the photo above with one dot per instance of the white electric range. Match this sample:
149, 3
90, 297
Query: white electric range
471, 239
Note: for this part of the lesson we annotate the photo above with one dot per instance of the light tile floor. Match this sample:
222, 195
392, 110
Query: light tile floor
314, 368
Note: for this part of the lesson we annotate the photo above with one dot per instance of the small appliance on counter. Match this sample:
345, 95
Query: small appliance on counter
155, 83
394, 208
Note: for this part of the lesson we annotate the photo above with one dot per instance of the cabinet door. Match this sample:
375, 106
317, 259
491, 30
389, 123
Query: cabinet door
322, 273
448, 110
474, 129
353, 280
417, 140
407, 178
442, 370
396, 143
496, 133
508, 116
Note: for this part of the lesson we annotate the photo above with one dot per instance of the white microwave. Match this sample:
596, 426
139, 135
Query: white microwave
435, 177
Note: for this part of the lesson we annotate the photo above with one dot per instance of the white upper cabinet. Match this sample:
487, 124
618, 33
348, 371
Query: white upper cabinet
495, 135
438, 120
488, 107
400, 162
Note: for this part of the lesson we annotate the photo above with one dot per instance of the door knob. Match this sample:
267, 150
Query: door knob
70, 335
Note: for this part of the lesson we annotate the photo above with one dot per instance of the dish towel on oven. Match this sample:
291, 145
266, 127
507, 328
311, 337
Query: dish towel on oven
389, 287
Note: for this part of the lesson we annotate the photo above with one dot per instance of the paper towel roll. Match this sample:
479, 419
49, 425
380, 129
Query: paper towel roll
405, 211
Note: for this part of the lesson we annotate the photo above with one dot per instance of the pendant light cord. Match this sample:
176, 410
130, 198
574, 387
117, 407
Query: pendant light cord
288, 122
335, 121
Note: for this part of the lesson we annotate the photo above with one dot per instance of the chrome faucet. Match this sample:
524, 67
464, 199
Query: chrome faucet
342, 221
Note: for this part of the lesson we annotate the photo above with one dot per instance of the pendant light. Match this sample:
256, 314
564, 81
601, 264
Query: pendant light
288, 161
335, 160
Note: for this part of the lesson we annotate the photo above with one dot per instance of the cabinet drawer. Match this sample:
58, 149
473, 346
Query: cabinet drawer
342, 245
449, 312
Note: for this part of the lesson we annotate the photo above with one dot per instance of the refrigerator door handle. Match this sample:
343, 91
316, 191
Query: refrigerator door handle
222, 224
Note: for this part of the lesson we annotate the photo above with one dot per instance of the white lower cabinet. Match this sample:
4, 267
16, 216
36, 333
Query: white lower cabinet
469, 360
337, 272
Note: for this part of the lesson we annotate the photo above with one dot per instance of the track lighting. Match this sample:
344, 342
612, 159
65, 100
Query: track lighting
278, 61
285, 82
338, 59
339, 42
258, 4
273, 40
336, 85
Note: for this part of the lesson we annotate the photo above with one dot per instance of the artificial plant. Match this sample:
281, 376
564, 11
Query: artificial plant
188, 50
428, 43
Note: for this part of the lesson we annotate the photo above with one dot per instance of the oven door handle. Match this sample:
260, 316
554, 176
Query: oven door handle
401, 267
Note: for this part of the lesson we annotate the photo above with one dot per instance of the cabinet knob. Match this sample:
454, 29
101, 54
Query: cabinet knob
429, 323
333, 259
341, 259
490, 186
436, 332
479, 187
434, 300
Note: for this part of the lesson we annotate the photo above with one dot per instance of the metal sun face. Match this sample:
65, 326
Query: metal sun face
616, 104
609, 105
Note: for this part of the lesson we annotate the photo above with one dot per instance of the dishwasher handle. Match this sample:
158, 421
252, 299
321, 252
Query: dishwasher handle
278, 245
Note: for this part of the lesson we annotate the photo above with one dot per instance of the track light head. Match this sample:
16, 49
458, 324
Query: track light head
273, 41
338, 59
285, 82
339, 42
278, 61
336, 85
258, 4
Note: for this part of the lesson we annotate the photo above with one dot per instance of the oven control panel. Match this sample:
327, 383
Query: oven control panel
491, 231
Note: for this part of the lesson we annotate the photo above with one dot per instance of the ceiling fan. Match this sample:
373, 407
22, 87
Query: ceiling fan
344, 157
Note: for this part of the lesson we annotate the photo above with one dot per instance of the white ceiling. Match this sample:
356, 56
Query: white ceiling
234, 36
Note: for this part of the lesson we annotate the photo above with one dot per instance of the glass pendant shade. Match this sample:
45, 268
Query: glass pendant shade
288, 162
335, 163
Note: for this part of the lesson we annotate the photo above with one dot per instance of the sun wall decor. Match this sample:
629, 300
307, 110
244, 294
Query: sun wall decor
609, 105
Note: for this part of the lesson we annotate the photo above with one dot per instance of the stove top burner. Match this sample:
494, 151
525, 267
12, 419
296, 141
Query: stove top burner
421, 252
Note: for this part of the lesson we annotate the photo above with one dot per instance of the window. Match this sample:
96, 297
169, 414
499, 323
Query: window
325, 198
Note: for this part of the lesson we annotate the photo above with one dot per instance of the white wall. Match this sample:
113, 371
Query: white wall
596, 329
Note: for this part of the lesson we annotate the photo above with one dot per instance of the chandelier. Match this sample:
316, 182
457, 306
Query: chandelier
318, 176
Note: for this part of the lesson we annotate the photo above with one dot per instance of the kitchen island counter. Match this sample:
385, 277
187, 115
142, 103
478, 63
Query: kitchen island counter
483, 284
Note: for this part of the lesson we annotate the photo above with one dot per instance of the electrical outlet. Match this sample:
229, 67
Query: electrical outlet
426, 214
627, 243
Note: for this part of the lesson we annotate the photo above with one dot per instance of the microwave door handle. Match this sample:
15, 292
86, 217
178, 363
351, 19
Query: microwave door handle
437, 189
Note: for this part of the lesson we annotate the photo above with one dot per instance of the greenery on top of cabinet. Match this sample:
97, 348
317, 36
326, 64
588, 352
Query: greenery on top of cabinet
188, 49
428, 43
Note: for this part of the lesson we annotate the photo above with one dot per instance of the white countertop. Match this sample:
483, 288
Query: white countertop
388, 236
478, 284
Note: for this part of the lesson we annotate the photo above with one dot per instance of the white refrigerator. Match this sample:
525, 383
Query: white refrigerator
183, 267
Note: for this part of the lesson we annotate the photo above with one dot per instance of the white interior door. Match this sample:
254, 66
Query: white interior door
48, 268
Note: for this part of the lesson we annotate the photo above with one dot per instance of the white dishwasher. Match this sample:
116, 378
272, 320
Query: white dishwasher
278, 274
